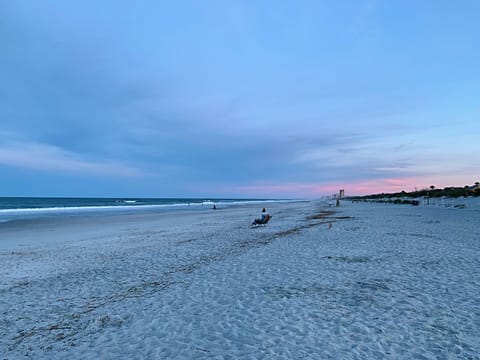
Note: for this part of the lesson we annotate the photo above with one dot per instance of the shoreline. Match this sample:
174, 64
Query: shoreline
36, 231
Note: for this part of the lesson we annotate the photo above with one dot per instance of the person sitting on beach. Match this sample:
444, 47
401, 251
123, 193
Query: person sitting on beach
262, 218
264, 214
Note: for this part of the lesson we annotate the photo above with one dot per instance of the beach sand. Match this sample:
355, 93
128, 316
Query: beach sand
358, 281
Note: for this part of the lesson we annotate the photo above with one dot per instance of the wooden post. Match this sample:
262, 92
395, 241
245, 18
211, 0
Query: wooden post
341, 194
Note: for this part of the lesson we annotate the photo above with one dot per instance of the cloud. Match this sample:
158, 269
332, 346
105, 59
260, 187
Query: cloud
209, 97
44, 157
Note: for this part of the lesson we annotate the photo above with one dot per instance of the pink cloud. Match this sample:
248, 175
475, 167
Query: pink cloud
390, 185
361, 187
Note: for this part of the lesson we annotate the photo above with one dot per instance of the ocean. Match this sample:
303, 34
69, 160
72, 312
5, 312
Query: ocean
14, 208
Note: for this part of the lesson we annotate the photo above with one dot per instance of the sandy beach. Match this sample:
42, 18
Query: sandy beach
359, 281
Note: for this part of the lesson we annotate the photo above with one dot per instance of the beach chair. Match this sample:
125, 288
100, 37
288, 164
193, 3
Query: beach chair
262, 222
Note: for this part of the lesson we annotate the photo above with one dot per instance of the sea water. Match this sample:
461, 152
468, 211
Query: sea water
15, 208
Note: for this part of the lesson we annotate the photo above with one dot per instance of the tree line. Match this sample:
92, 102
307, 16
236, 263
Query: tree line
429, 193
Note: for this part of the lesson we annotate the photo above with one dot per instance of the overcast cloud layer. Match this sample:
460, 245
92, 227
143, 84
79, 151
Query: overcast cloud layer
240, 99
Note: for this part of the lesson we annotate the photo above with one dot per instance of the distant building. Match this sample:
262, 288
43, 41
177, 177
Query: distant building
341, 193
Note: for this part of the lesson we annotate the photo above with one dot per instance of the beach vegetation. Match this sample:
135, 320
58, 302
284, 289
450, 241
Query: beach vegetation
431, 192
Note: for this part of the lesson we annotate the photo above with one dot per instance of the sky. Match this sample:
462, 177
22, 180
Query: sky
249, 99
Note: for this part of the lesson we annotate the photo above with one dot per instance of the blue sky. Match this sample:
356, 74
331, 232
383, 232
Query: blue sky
237, 98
